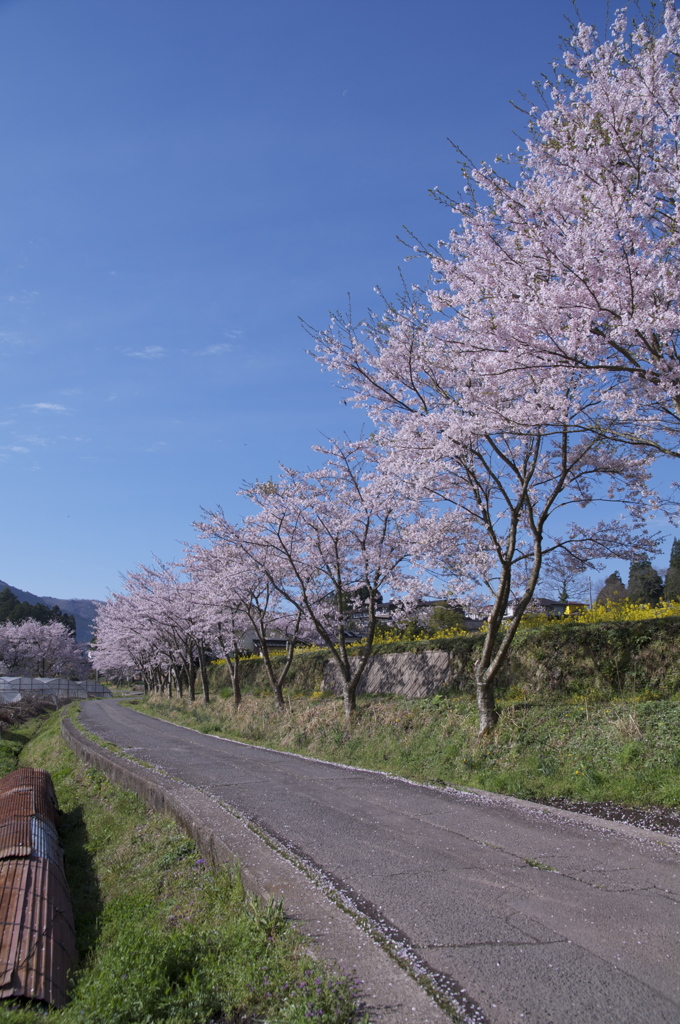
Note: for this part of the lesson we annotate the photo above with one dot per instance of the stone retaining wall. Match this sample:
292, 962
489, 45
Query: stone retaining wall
412, 674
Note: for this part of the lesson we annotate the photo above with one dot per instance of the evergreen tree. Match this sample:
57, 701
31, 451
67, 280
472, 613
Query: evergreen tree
613, 590
671, 591
14, 610
645, 586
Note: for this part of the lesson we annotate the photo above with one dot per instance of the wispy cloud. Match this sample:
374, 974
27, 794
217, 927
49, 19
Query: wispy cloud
215, 350
12, 338
46, 407
150, 352
32, 439
15, 448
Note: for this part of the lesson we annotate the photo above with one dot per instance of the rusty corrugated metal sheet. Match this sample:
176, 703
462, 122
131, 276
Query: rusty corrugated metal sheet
36, 779
37, 937
15, 838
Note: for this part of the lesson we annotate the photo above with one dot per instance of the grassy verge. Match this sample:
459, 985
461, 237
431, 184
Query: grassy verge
162, 937
625, 750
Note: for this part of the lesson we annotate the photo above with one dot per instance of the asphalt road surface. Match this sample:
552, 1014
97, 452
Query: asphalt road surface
538, 915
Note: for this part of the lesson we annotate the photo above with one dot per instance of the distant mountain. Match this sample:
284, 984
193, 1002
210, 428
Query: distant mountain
82, 610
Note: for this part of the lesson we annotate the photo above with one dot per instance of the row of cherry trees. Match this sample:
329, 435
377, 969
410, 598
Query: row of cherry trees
320, 546
535, 380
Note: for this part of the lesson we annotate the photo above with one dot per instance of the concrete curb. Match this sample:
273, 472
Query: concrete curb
389, 994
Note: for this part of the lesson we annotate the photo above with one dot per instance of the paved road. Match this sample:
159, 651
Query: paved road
540, 916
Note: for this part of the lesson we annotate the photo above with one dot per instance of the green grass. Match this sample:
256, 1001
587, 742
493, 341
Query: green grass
624, 750
14, 739
162, 936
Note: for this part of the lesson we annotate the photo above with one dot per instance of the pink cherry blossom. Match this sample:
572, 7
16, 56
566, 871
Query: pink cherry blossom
38, 649
539, 376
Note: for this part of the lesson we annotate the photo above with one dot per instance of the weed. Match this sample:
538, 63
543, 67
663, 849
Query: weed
268, 916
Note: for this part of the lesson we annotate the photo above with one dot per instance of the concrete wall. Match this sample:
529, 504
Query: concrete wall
412, 674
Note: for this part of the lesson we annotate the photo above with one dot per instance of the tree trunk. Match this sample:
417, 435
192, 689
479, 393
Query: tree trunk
234, 675
191, 680
204, 675
486, 704
485, 678
236, 686
276, 684
352, 679
492, 660
349, 699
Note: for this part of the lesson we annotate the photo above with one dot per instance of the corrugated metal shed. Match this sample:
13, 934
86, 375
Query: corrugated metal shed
37, 937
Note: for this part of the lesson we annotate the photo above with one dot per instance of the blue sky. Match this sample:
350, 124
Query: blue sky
180, 181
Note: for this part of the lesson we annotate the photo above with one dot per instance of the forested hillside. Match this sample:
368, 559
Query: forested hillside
81, 610
14, 610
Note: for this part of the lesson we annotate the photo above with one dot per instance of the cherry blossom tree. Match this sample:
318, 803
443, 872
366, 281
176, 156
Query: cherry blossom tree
535, 379
570, 261
175, 604
158, 628
41, 649
326, 542
495, 465
500, 507
126, 644
540, 373
221, 599
240, 598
